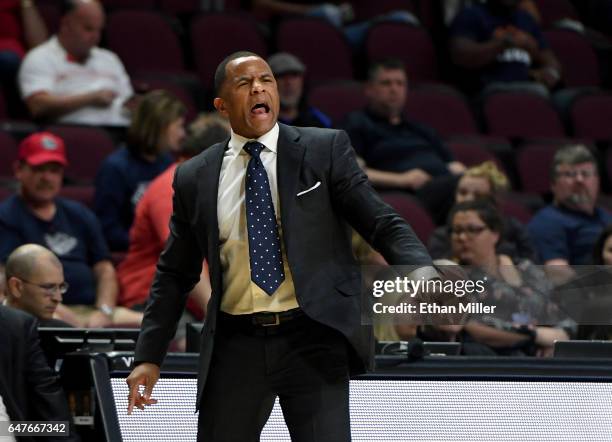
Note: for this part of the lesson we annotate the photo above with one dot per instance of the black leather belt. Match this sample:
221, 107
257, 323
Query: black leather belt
266, 322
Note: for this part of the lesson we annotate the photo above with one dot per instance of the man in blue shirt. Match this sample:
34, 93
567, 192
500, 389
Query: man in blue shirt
505, 46
565, 232
36, 215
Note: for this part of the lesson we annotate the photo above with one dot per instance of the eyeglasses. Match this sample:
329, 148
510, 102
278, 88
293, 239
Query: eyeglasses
468, 230
49, 289
584, 174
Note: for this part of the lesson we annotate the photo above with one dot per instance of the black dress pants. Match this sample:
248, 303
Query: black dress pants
301, 361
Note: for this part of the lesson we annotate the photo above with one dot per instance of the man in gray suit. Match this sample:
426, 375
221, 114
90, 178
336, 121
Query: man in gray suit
268, 209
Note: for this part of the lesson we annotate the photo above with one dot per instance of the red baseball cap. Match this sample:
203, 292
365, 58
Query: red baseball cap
41, 148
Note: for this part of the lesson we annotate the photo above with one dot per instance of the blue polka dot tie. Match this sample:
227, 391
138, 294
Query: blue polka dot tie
264, 242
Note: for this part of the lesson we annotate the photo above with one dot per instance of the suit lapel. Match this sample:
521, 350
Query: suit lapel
288, 166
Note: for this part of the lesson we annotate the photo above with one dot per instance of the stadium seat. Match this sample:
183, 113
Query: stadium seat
577, 57
592, 117
177, 7
521, 115
337, 99
410, 209
145, 42
472, 153
442, 109
176, 89
8, 155
86, 148
320, 46
209, 50
409, 43
512, 206
533, 162
50, 13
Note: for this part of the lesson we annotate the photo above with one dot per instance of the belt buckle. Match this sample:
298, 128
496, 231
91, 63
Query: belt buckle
276, 321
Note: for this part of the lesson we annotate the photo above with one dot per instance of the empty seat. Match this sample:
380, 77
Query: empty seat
577, 57
175, 89
592, 117
86, 148
337, 99
8, 155
320, 46
533, 162
412, 211
444, 110
472, 153
239, 33
130, 4
176, 7
512, 206
411, 44
144, 41
521, 115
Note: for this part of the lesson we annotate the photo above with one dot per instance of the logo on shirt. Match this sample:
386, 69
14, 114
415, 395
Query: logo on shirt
515, 55
60, 243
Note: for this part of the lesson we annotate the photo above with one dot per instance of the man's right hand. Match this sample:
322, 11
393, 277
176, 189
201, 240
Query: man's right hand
102, 98
145, 374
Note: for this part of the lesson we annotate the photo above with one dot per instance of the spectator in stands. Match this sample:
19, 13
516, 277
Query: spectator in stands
485, 181
519, 290
21, 29
71, 80
35, 284
398, 153
504, 46
151, 227
37, 215
450, 8
294, 108
156, 131
29, 389
565, 231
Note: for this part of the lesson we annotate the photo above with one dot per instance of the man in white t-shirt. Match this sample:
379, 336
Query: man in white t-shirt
69, 79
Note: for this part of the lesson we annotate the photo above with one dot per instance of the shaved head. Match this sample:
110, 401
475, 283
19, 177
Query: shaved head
22, 262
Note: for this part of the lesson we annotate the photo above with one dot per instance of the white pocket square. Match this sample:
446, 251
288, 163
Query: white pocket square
309, 190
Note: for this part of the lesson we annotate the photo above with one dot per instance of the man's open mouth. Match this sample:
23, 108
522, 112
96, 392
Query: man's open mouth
260, 108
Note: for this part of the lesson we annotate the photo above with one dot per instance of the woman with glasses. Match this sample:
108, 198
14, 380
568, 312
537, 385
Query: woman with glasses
518, 289
485, 181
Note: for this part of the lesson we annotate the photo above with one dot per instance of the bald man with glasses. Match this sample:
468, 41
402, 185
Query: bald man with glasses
35, 284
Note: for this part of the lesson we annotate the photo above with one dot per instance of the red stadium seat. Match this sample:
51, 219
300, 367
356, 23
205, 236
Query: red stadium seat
533, 162
444, 110
411, 44
130, 4
592, 117
145, 42
577, 57
337, 99
513, 207
521, 115
8, 155
86, 148
320, 46
472, 153
149, 84
367, 9
175, 7
51, 15
209, 49
412, 211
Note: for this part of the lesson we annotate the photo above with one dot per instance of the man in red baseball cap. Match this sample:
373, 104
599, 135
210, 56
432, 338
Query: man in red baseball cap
69, 229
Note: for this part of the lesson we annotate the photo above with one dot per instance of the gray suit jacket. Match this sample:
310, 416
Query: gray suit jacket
326, 278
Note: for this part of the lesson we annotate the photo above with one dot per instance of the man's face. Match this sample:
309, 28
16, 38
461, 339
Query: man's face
386, 92
290, 89
249, 97
576, 186
82, 29
39, 294
40, 184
